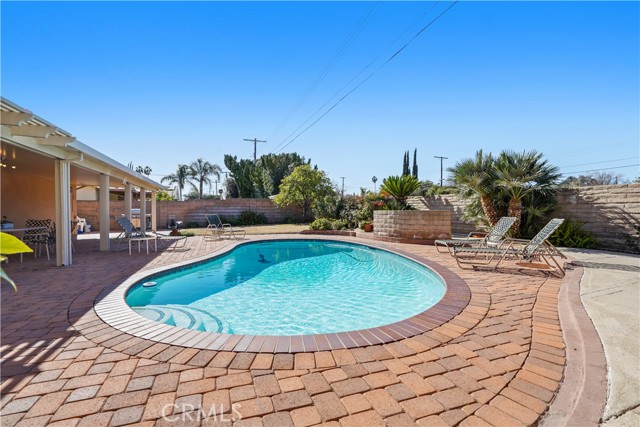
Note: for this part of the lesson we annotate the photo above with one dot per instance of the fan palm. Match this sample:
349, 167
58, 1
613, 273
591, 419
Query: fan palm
201, 171
522, 175
474, 179
179, 178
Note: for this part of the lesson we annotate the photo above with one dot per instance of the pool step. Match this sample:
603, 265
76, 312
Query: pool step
182, 316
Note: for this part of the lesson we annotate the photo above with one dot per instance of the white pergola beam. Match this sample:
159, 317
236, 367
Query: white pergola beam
13, 118
56, 140
33, 131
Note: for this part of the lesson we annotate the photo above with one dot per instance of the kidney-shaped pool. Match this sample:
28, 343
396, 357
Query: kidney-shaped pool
290, 287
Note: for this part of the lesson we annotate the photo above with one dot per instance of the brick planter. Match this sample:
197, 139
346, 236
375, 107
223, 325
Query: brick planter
412, 226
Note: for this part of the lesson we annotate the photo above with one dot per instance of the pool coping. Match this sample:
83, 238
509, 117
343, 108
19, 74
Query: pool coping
111, 308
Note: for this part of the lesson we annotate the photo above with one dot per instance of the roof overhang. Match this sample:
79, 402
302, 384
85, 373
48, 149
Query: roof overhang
22, 128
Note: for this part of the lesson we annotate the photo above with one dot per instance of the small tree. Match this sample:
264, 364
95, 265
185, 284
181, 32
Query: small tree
303, 188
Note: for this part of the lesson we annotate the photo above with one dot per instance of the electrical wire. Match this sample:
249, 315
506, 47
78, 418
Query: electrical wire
604, 161
371, 74
322, 74
355, 77
602, 169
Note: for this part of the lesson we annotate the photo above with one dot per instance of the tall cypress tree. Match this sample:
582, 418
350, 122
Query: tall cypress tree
405, 164
415, 163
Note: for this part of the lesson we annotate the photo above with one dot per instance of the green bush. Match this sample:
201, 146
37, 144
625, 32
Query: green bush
632, 241
571, 235
191, 224
338, 224
251, 218
321, 224
187, 233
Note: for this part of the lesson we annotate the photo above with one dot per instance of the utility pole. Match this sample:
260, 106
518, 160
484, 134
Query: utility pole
255, 143
441, 159
342, 193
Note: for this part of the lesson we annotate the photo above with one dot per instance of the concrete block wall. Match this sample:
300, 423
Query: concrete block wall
191, 210
605, 210
420, 225
445, 202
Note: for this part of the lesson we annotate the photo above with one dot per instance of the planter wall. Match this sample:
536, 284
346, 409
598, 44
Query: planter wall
415, 226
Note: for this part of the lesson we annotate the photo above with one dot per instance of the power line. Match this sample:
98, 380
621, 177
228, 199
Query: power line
595, 163
392, 57
602, 169
354, 78
322, 74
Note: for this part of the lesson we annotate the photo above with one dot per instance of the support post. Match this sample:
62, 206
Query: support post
105, 219
127, 200
154, 212
143, 210
63, 212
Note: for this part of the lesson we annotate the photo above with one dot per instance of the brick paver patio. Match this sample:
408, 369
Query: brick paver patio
499, 362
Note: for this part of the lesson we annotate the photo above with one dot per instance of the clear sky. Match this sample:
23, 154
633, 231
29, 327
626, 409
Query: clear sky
164, 83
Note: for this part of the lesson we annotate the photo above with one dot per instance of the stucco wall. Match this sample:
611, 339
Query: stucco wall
415, 225
190, 210
26, 196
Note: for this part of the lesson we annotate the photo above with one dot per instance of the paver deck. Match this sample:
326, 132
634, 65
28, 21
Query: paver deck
498, 362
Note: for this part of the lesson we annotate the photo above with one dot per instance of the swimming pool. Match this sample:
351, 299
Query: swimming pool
290, 287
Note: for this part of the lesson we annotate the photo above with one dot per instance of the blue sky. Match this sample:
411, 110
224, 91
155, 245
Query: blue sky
164, 83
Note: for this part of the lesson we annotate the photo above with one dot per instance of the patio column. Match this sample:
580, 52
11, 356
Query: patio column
154, 212
63, 212
127, 200
105, 220
143, 209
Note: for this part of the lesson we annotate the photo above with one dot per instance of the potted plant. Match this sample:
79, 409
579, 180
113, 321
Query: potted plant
367, 227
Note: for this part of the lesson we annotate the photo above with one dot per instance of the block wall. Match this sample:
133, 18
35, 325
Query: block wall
607, 211
418, 225
191, 210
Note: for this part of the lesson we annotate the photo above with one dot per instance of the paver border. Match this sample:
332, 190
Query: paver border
111, 308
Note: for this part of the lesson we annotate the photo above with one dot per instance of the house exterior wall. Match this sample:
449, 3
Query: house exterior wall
26, 196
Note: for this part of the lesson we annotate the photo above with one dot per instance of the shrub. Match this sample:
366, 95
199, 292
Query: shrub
338, 224
321, 224
251, 218
191, 224
187, 233
632, 241
571, 235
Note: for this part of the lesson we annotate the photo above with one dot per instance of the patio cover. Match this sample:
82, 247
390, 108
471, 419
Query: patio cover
36, 147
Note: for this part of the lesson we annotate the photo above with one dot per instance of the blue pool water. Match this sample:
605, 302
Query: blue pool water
290, 287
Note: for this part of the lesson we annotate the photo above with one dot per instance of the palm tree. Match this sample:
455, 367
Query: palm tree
400, 187
200, 171
522, 175
474, 178
179, 178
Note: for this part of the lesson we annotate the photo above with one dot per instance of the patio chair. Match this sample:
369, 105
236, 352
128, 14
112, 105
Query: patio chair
128, 229
216, 228
491, 239
38, 238
538, 248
